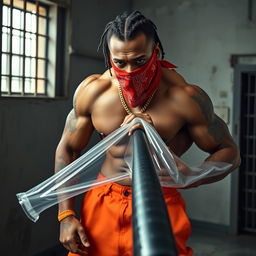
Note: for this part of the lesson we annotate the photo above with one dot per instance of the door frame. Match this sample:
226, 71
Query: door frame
234, 206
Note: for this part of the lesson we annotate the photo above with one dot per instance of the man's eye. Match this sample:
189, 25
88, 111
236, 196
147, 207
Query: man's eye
119, 62
140, 61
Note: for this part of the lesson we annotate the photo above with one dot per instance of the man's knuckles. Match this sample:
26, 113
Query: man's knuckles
68, 240
80, 229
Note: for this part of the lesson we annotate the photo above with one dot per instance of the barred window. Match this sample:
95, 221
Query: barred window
27, 68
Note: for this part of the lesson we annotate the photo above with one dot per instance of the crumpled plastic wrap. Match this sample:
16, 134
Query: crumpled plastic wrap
83, 174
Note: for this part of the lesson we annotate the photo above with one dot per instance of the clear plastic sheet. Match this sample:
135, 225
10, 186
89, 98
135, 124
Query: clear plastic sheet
83, 174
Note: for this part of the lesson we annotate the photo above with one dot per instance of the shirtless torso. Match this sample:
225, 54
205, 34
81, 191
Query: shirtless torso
181, 113
106, 113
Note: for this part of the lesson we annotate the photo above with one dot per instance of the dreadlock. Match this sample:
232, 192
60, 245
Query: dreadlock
126, 27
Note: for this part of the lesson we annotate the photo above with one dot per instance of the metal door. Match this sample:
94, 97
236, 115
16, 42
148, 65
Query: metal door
245, 131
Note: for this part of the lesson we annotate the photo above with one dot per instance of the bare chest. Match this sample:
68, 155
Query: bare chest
108, 114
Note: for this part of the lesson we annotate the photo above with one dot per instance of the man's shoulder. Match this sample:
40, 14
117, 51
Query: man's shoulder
176, 85
189, 99
89, 90
197, 105
95, 83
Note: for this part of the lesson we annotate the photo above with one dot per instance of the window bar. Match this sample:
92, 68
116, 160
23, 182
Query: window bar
23, 55
37, 29
32, 12
21, 30
10, 60
29, 77
24, 46
46, 56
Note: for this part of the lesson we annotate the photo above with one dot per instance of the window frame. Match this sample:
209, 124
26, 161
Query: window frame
57, 71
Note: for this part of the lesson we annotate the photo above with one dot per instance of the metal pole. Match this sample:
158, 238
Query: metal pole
152, 234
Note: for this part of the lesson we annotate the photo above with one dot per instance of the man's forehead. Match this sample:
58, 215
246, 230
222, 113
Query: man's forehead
139, 45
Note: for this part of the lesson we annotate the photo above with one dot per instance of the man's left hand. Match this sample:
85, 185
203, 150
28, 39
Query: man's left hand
130, 117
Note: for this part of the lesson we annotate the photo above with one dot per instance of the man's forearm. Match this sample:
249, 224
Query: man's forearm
228, 155
64, 157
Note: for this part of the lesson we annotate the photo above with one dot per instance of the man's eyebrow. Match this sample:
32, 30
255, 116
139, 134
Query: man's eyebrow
140, 57
116, 59
137, 58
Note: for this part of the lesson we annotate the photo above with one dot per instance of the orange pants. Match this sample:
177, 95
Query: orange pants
106, 215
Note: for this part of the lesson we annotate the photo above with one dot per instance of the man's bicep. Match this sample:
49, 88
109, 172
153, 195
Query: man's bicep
207, 130
77, 132
210, 135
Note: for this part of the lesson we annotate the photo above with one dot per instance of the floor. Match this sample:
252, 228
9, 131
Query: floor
216, 244
204, 244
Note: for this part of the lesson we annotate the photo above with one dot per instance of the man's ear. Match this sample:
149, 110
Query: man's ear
158, 51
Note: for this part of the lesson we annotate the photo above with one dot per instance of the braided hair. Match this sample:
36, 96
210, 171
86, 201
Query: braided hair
127, 27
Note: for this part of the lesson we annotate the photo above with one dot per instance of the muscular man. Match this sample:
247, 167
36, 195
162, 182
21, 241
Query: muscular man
136, 84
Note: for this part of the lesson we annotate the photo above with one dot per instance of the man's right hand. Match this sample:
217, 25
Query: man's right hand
77, 132
72, 236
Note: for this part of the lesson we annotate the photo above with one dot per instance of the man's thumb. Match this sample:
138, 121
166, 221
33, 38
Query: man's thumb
83, 236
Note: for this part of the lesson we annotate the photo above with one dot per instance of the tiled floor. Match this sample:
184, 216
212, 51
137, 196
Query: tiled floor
216, 244
204, 243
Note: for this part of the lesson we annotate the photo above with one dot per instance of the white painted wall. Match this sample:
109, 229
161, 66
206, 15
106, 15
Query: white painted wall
199, 37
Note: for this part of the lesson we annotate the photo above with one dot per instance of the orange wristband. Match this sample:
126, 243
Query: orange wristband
65, 214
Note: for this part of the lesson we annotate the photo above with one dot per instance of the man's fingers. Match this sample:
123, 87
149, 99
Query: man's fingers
67, 247
73, 236
79, 251
77, 247
74, 246
135, 127
128, 119
70, 244
131, 116
83, 237
82, 252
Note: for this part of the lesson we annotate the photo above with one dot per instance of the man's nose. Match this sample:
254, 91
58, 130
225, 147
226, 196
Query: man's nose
130, 68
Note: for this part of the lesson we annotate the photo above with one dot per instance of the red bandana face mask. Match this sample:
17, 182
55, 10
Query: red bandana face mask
138, 85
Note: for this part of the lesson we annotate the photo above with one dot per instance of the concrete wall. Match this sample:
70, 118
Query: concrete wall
199, 37
31, 128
